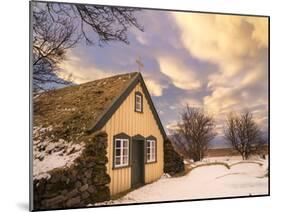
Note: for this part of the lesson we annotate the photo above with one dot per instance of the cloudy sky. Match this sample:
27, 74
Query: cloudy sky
218, 62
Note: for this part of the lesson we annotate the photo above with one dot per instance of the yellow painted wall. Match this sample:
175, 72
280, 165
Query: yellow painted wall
126, 120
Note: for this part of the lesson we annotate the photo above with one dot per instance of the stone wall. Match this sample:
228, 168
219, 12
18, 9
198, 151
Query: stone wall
173, 162
84, 182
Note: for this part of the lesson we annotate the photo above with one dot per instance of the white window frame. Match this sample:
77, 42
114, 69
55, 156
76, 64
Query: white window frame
121, 156
138, 105
151, 156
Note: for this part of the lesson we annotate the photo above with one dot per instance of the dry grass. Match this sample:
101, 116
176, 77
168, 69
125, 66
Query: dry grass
74, 109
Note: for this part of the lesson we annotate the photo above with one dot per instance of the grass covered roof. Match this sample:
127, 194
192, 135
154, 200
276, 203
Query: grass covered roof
71, 111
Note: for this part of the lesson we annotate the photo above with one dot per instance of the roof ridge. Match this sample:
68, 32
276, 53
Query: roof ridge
105, 78
93, 81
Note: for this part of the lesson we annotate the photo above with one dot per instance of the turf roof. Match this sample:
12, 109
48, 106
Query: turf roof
73, 110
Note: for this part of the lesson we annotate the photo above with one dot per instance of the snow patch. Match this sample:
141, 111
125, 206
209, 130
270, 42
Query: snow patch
49, 154
206, 180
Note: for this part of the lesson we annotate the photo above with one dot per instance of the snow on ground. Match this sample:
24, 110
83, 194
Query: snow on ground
210, 181
48, 155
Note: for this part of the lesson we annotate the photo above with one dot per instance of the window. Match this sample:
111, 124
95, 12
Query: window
121, 152
150, 151
138, 102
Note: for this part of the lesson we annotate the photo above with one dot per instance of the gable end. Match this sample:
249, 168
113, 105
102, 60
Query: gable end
120, 99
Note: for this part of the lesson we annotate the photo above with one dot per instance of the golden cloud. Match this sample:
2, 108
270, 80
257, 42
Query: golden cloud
222, 39
221, 100
191, 102
236, 45
181, 75
80, 74
155, 88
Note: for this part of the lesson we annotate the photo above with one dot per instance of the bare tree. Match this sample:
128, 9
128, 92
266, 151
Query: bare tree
57, 27
243, 134
50, 43
108, 23
194, 132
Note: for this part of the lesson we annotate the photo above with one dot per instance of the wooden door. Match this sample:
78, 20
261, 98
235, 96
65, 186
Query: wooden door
137, 163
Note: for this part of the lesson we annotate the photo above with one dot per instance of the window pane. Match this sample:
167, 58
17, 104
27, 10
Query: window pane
148, 150
153, 150
121, 152
125, 152
118, 143
117, 160
138, 102
138, 98
125, 143
118, 152
125, 160
148, 157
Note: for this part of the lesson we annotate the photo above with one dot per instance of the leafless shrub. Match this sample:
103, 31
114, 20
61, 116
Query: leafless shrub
194, 132
243, 134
